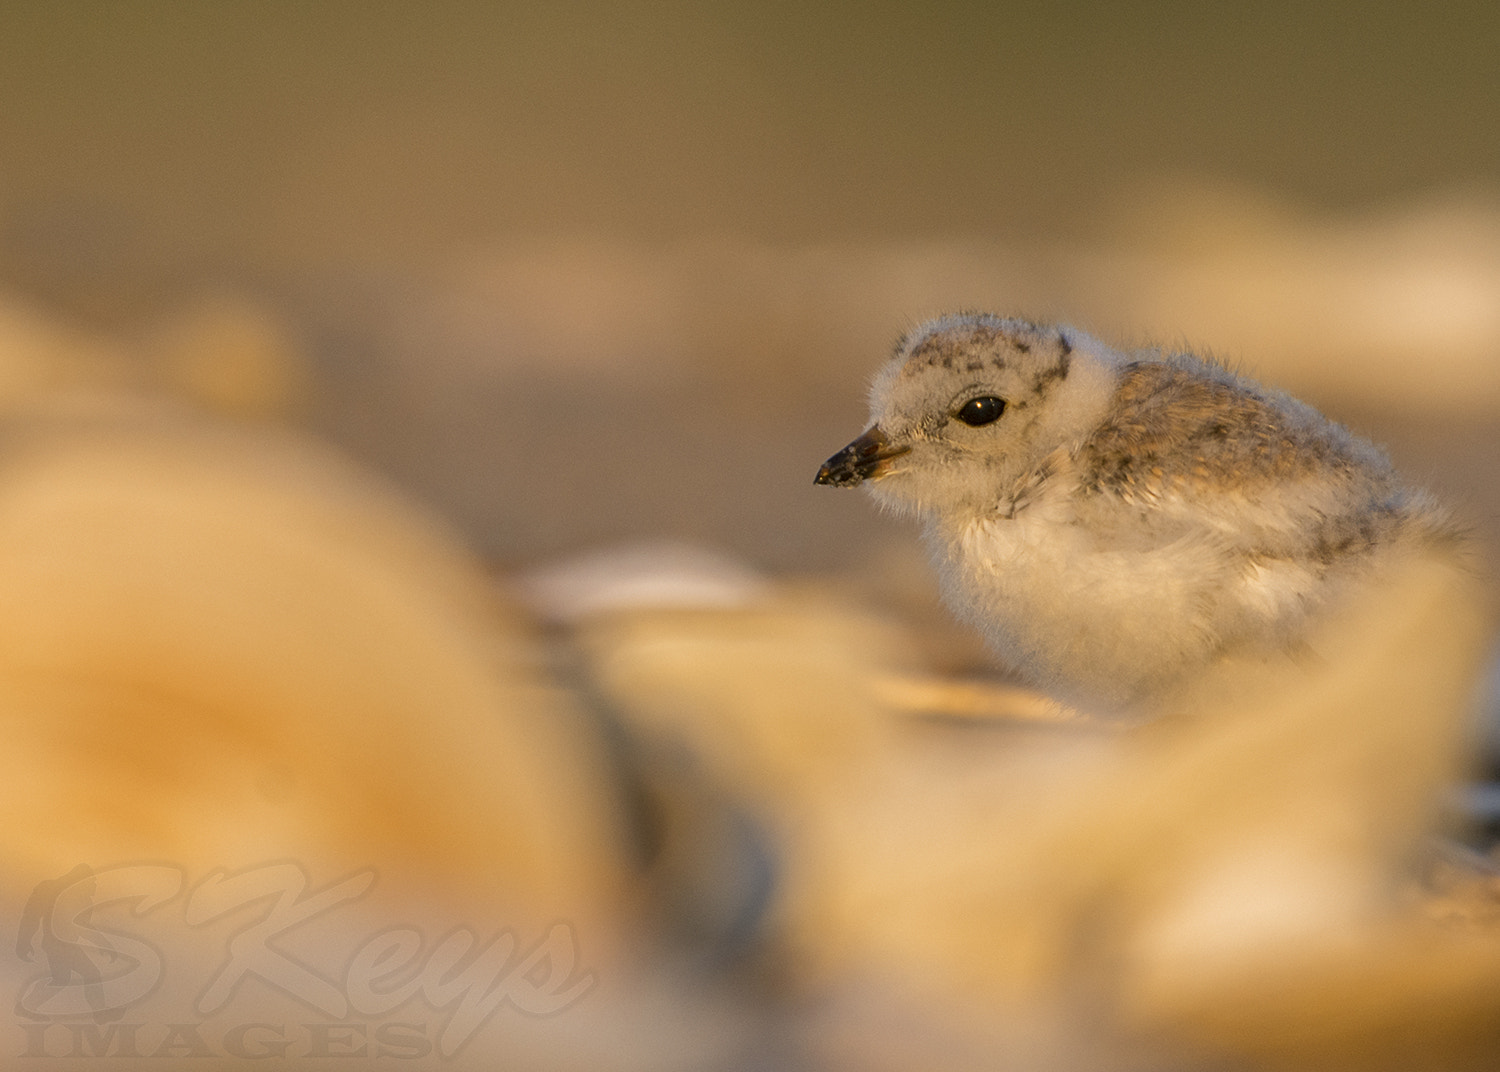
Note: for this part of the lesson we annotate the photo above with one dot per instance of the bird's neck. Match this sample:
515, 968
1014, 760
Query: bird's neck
1021, 494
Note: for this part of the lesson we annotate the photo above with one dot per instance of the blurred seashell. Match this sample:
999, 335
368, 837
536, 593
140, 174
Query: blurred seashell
639, 576
223, 647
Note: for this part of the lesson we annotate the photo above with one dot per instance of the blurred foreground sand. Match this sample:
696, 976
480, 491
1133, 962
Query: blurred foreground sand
1235, 880
228, 653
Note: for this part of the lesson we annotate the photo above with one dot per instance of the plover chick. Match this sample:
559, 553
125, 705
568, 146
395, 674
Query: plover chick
1115, 523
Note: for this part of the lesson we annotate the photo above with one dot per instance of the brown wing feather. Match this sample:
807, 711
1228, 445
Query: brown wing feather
1182, 428
1204, 450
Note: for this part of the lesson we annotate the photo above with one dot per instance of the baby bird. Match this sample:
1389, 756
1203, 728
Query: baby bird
1116, 523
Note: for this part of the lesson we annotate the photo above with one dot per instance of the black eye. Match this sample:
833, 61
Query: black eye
978, 411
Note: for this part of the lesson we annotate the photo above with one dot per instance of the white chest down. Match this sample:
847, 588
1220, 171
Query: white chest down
1113, 621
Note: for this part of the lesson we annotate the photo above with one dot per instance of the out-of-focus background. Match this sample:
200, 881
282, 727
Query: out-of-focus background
321, 322
578, 273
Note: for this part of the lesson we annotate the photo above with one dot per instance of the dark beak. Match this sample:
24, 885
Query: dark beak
860, 461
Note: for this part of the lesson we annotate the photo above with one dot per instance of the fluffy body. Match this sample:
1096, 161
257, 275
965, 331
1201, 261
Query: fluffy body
1129, 519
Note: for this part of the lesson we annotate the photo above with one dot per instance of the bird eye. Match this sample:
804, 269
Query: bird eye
980, 411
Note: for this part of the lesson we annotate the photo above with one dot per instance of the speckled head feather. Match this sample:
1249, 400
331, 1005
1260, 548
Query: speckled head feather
1050, 382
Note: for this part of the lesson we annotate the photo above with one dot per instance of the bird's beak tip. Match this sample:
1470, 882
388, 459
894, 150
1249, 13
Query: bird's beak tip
861, 460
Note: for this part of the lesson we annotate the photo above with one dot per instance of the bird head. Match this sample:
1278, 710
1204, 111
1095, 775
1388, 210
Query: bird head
967, 406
